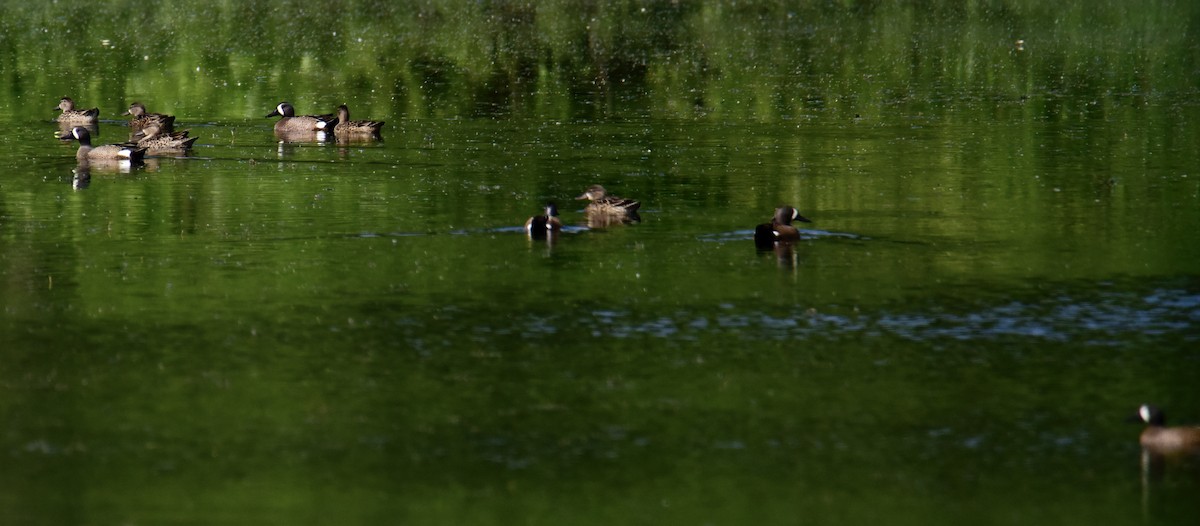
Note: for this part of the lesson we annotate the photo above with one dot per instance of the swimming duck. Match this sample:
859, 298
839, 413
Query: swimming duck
290, 124
347, 127
540, 226
111, 152
142, 120
1163, 440
780, 228
70, 114
158, 142
602, 203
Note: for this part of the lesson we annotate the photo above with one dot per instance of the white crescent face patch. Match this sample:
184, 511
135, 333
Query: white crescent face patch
1144, 411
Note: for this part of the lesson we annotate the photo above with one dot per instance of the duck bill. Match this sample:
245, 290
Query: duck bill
802, 218
274, 114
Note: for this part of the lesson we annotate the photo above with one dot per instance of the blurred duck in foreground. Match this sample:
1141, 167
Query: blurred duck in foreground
605, 209
780, 228
142, 119
107, 152
71, 115
544, 225
1162, 440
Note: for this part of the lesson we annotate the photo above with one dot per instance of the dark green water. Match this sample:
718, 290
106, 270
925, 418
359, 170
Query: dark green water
1003, 264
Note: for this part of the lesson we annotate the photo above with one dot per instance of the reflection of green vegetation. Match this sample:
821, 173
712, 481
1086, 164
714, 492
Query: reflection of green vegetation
756, 60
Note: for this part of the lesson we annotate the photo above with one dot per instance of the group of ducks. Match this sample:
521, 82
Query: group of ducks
291, 127
604, 210
149, 134
154, 133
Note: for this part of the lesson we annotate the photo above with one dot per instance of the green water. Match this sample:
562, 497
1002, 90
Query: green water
1002, 265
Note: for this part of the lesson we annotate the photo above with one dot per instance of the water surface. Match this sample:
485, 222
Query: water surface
1001, 267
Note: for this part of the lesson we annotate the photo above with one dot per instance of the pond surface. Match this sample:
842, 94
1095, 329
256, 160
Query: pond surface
1002, 265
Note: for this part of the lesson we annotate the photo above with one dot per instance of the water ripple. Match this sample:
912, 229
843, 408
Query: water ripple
1099, 319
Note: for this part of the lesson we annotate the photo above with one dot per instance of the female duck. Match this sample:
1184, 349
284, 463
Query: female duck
109, 152
602, 203
158, 142
142, 119
780, 228
348, 128
543, 225
1163, 440
72, 115
290, 124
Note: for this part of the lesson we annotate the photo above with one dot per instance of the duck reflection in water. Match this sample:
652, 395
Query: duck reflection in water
81, 176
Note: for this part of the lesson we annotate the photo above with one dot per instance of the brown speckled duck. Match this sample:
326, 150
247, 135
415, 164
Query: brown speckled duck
158, 142
72, 115
143, 119
347, 127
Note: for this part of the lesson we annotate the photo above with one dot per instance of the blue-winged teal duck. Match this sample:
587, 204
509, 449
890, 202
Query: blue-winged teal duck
1163, 440
345, 126
780, 228
111, 152
602, 203
158, 142
70, 114
548, 223
143, 119
289, 123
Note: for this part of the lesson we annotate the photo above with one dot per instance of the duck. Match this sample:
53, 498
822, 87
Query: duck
602, 203
291, 124
107, 152
347, 127
1160, 439
546, 224
158, 142
70, 114
142, 119
780, 228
